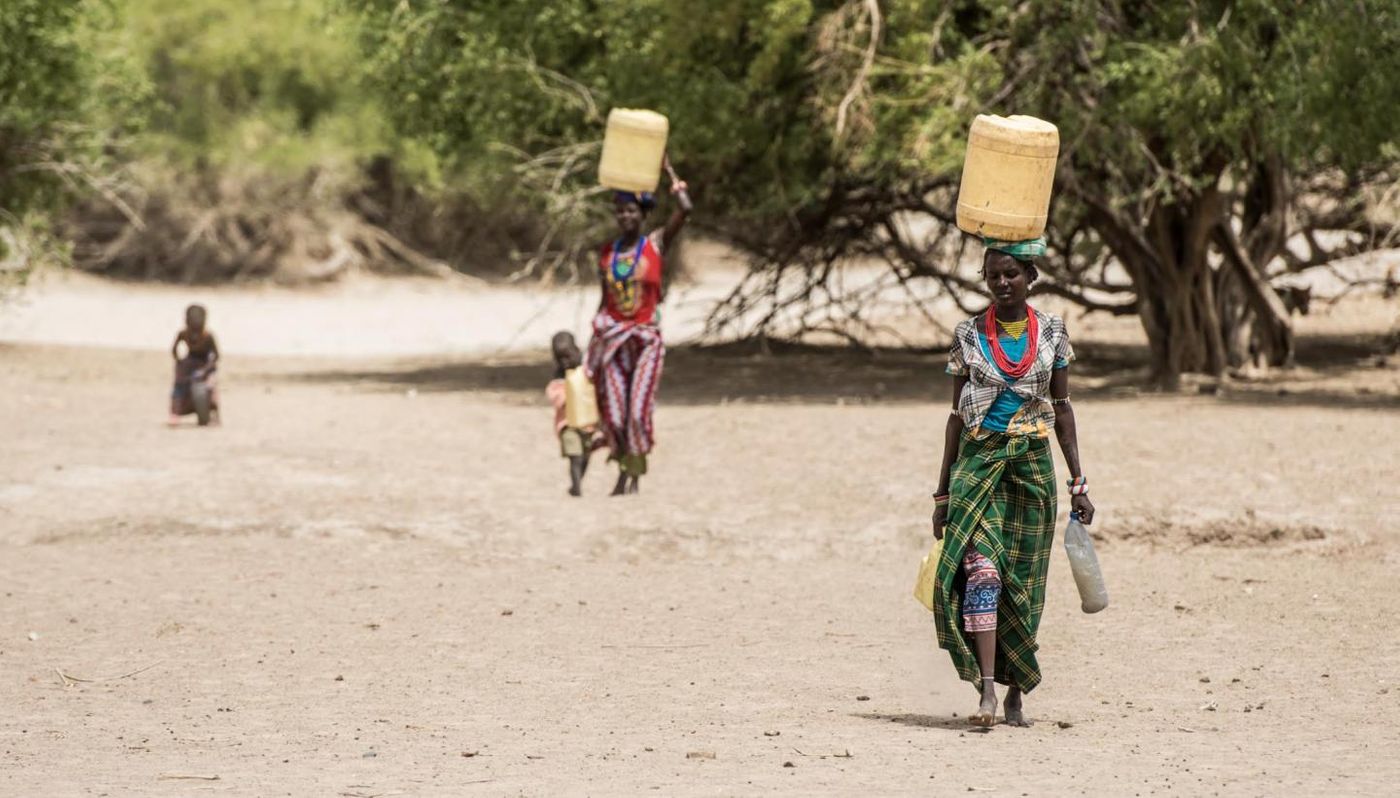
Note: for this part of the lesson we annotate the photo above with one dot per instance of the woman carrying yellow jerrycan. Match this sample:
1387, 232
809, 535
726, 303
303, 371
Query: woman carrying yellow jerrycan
996, 500
626, 353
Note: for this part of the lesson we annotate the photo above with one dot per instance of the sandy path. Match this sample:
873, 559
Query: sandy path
402, 525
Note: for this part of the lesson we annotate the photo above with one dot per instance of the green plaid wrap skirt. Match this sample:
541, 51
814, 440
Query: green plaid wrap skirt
1003, 501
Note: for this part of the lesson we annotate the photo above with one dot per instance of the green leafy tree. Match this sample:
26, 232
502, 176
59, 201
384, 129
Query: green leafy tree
1199, 141
266, 83
64, 103
43, 90
1198, 136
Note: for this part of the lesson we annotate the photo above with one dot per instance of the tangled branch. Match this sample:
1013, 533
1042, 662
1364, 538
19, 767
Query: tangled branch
872, 9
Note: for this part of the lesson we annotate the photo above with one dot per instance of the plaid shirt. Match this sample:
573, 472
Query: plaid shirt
967, 357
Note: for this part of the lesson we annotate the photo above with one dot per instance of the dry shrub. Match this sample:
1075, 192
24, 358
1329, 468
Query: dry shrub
216, 227
482, 237
213, 226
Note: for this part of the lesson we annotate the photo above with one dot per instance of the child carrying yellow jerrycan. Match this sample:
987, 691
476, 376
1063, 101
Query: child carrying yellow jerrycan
575, 409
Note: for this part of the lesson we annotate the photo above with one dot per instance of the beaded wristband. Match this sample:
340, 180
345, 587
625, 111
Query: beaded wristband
941, 499
1078, 486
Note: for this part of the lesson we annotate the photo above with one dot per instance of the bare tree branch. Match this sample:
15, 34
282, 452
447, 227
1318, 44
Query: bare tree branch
872, 8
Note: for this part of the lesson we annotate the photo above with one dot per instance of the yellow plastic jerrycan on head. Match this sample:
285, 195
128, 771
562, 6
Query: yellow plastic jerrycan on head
1007, 176
632, 150
580, 400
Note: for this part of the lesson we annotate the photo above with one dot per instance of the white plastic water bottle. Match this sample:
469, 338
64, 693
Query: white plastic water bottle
1093, 595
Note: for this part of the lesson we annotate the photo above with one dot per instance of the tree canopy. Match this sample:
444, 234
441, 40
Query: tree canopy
44, 89
1192, 132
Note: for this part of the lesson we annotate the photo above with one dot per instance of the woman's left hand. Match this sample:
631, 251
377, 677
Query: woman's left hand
1081, 504
679, 191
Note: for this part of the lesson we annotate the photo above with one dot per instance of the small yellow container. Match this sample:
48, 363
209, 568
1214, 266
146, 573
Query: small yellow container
633, 148
580, 400
1007, 177
928, 570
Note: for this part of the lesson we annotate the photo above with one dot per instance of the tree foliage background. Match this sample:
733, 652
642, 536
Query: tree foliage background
1209, 147
1199, 138
52, 93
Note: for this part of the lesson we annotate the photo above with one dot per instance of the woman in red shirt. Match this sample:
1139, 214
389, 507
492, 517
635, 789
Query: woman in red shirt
626, 353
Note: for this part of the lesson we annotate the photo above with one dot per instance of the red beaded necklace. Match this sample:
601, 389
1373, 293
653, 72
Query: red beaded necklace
1021, 368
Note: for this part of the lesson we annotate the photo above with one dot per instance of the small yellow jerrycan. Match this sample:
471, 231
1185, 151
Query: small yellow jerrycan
928, 571
580, 400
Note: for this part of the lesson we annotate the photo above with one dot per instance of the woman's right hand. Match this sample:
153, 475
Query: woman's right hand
940, 519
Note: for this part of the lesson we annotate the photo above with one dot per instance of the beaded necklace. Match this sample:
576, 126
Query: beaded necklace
621, 274
1020, 368
1015, 329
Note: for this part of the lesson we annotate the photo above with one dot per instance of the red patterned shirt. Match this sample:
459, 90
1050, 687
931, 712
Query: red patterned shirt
632, 280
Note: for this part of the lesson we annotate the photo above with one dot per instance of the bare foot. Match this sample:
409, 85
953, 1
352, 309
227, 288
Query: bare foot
621, 487
1014, 715
986, 714
636, 486
173, 421
574, 490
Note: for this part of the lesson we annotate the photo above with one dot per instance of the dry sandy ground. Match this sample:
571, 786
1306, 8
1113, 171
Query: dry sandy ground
370, 582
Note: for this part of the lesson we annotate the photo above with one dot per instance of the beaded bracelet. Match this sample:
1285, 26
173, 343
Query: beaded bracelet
1079, 486
941, 499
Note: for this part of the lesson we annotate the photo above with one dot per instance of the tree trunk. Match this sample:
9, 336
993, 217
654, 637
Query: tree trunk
1167, 257
1272, 329
1236, 320
1185, 331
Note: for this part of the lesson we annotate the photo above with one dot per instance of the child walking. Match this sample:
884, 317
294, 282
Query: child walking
575, 426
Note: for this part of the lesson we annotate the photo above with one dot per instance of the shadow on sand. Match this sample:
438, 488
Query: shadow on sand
741, 372
797, 373
943, 722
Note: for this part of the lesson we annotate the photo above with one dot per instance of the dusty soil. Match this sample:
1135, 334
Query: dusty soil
369, 581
